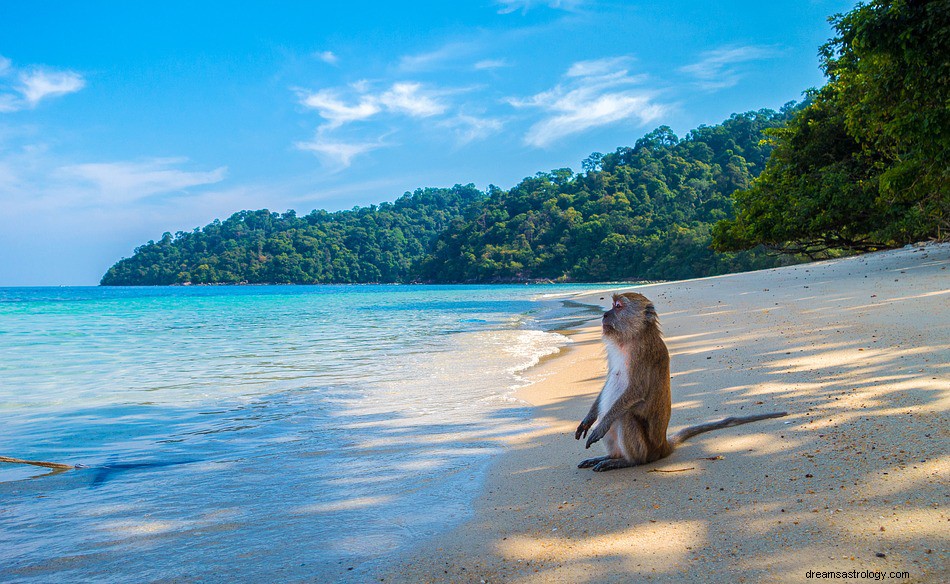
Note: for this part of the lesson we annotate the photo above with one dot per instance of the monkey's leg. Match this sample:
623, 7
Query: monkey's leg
592, 461
612, 440
612, 464
588, 420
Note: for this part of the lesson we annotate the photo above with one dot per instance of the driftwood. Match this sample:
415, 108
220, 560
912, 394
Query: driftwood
674, 470
55, 465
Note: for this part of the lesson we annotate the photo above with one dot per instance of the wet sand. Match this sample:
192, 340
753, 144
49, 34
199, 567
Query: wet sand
855, 478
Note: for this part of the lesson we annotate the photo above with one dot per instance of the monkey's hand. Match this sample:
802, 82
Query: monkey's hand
584, 426
596, 434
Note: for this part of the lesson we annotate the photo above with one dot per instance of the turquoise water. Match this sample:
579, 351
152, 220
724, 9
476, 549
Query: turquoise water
258, 433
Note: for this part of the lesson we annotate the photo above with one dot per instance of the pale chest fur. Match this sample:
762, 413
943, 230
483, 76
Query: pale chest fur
618, 372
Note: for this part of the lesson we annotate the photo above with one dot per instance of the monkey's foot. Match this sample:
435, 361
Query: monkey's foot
592, 461
611, 464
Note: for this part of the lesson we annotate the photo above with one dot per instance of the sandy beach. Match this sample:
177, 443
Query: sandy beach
854, 479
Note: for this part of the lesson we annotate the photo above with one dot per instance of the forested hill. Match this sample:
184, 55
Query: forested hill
641, 212
638, 213
365, 244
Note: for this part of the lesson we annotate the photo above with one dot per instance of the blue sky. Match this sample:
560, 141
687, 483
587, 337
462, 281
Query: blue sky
122, 120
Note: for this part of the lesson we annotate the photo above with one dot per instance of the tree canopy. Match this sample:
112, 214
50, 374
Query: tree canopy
866, 164
637, 213
365, 244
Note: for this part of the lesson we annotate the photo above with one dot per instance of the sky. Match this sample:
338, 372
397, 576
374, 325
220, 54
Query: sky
122, 120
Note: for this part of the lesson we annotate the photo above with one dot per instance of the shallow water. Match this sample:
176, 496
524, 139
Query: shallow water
287, 432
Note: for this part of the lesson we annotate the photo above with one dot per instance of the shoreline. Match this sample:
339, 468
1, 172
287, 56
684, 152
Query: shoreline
841, 344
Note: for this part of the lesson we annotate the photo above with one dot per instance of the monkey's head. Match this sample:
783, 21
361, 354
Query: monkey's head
630, 316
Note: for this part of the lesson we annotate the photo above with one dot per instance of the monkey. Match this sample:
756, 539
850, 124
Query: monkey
632, 411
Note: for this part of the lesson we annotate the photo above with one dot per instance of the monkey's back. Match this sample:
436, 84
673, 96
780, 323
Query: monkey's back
652, 364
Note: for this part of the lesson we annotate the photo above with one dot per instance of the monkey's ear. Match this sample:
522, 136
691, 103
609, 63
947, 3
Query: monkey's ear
650, 314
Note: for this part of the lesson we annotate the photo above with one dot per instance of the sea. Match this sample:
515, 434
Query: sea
255, 433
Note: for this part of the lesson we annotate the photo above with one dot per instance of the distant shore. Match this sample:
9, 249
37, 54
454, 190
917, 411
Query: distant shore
854, 479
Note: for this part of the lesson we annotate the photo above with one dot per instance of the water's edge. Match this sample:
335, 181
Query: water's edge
131, 508
381, 569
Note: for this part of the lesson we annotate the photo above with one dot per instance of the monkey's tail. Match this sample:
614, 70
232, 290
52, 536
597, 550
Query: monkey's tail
687, 433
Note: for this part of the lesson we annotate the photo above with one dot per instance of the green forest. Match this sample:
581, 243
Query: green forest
641, 212
862, 164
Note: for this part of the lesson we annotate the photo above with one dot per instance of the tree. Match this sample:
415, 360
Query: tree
866, 164
816, 194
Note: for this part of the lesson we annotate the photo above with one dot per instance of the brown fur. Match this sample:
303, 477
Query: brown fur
633, 410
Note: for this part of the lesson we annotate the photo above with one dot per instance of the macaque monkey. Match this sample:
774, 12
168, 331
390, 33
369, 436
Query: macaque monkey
632, 411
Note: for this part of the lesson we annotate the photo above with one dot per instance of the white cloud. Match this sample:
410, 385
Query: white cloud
400, 99
336, 152
599, 67
328, 57
593, 94
9, 103
406, 98
509, 6
716, 69
333, 109
33, 179
39, 84
436, 58
490, 64
412, 100
122, 182
469, 128
25, 88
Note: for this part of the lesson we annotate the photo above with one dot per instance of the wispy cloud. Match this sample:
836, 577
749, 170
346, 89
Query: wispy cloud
25, 88
337, 153
411, 99
592, 94
600, 67
468, 128
328, 57
39, 84
407, 98
96, 212
437, 58
718, 69
332, 108
509, 6
490, 64
34, 179
127, 181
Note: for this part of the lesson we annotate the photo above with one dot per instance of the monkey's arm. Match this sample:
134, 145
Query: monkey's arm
588, 420
628, 400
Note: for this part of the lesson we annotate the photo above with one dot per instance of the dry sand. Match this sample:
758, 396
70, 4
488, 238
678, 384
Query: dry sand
855, 478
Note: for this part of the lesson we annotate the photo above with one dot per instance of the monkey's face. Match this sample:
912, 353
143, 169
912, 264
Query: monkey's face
629, 315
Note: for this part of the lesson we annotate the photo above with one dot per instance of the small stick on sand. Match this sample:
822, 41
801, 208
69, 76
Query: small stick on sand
674, 470
37, 463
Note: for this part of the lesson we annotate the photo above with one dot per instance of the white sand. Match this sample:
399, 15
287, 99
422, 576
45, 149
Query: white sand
856, 350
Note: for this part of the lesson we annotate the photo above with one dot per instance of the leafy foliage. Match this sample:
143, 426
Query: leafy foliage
368, 244
866, 164
638, 213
